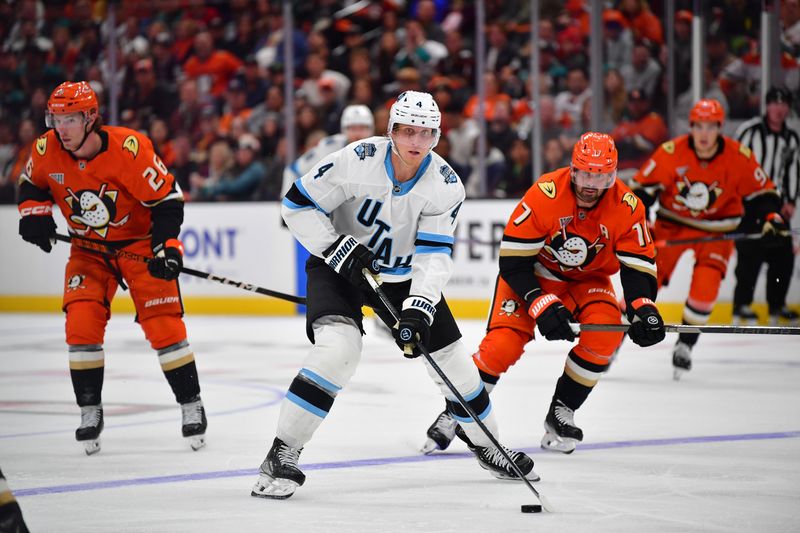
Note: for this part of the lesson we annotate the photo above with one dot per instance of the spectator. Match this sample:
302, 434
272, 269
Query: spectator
183, 167
165, 64
418, 51
643, 72
218, 168
459, 63
638, 136
499, 53
618, 39
616, 99
426, 16
245, 178
235, 106
190, 109
159, 134
683, 50
149, 97
493, 99
569, 103
644, 24
553, 156
272, 105
316, 71
212, 68
519, 176
254, 80
790, 22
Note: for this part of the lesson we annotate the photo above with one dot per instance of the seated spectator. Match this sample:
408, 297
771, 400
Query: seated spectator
569, 103
493, 98
159, 134
235, 106
11, 171
642, 21
519, 175
246, 176
147, 95
189, 110
640, 134
183, 167
212, 68
643, 72
618, 39
554, 156
418, 51
218, 168
317, 70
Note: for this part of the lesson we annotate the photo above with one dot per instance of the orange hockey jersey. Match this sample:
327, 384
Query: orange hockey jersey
562, 241
703, 194
109, 196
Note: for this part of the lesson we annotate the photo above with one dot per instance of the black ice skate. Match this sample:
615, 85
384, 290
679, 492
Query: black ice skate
681, 359
88, 433
280, 475
782, 316
561, 433
440, 434
194, 423
492, 460
744, 315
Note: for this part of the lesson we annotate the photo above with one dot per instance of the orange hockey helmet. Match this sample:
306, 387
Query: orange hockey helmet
71, 97
594, 161
707, 110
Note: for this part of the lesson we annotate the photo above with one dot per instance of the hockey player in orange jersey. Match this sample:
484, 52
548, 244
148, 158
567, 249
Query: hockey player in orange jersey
701, 181
573, 229
111, 187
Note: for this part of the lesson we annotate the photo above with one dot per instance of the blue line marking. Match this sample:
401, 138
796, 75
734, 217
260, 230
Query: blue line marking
360, 463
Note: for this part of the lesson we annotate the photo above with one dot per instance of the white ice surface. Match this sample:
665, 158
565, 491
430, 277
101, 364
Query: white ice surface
644, 466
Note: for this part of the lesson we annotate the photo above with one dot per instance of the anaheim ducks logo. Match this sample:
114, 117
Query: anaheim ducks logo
509, 308
571, 251
548, 188
75, 282
94, 210
41, 145
697, 197
631, 200
131, 144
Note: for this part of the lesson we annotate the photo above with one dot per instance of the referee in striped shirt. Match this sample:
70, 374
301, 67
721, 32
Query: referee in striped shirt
775, 147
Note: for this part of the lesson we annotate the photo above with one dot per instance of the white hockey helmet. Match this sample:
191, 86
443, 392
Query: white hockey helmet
357, 115
414, 108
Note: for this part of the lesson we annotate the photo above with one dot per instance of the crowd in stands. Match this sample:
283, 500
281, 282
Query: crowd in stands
205, 80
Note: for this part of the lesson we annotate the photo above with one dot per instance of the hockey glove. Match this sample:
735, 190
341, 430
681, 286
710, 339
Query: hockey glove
414, 326
168, 260
348, 258
647, 326
774, 228
38, 227
552, 317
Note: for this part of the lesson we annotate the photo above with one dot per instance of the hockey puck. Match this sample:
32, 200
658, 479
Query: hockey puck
531, 508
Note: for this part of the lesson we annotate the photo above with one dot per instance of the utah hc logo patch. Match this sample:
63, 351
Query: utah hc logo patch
365, 150
449, 175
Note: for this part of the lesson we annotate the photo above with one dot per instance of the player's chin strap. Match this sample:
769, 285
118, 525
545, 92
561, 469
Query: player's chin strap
426, 354
687, 328
102, 249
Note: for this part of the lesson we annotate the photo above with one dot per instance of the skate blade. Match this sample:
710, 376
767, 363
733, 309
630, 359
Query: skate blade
91, 447
273, 488
196, 441
429, 447
553, 443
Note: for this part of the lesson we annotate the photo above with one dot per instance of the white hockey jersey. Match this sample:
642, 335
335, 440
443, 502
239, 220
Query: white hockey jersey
304, 163
408, 226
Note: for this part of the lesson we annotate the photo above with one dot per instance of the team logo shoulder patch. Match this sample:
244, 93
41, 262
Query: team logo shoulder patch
745, 151
131, 144
548, 188
449, 175
41, 145
669, 147
630, 199
365, 150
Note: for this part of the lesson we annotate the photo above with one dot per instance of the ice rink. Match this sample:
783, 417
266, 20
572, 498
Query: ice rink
717, 451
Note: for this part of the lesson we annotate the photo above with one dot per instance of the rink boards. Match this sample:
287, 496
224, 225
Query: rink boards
246, 242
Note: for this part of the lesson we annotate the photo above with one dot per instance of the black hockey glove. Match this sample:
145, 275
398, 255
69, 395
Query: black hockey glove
39, 228
167, 261
552, 317
348, 258
647, 326
414, 326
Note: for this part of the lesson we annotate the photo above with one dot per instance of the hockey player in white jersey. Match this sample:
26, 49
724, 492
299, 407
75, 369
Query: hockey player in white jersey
388, 205
356, 123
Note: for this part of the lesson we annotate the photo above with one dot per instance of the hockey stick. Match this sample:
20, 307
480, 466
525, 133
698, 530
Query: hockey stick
663, 243
687, 328
100, 248
392, 311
